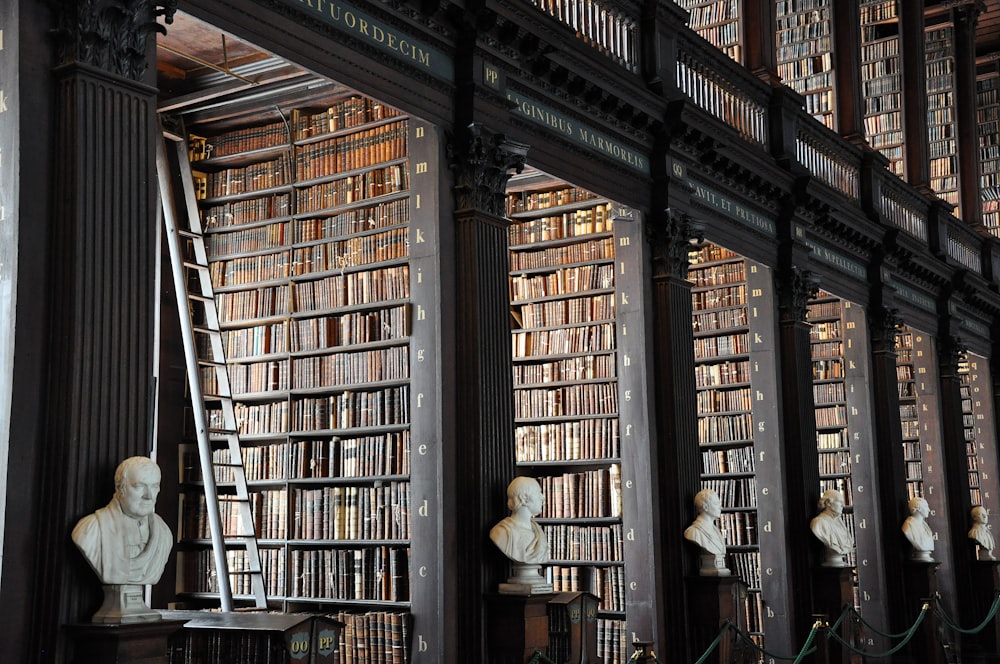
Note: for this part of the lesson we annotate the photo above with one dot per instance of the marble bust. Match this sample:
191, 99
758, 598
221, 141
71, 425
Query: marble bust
829, 528
918, 532
521, 539
707, 535
126, 543
981, 533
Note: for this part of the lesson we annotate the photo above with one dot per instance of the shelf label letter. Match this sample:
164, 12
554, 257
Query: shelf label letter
424, 510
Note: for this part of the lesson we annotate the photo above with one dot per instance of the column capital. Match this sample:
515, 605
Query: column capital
482, 163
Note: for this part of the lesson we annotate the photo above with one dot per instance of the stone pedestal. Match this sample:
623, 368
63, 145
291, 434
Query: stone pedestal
124, 604
517, 626
712, 600
527, 580
833, 590
136, 643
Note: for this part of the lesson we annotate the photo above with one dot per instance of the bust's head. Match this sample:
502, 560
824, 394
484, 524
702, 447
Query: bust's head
980, 514
525, 492
707, 502
832, 500
137, 483
918, 506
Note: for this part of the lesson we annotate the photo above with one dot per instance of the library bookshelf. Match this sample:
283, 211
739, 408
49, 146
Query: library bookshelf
719, 22
565, 352
308, 219
908, 344
988, 122
942, 132
804, 51
882, 80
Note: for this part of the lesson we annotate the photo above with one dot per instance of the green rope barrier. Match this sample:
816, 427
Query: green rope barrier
539, 657
746, 638
947, 621
806, 650
894, 649
860, 619
715, 643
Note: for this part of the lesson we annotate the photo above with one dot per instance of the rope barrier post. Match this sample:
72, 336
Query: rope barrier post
643, 653
933, 649
822, 641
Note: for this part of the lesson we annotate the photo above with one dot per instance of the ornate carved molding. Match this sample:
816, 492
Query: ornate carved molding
951, 352
885, 324
482, 163
670, 238
109, 34
796, 288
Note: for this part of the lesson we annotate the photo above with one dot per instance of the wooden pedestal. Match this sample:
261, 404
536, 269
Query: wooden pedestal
833, 590
920, 587
517, 626
712, 601
136, 643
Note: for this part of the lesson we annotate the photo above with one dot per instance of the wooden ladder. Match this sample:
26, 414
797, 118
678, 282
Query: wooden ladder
214, 415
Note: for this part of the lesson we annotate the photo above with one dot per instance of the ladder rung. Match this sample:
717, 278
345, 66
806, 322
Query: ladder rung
201, 329
224, 432
200, 298
188, 234
195, 266
211, 363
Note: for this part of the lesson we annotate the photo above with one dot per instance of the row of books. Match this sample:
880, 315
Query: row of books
248, 211
725, 428
354, 288
702, 14
528, 201
378, 573
247, 240
835, 463
346, 114
746, 565
375, 637
613, 641
583, 367
244, 179
269, 510
251, 378
256, 418
590, 494
368, 185
578, 223
356, 327
724, 400
562, 341
587, 543
570, 311
734, 492
606, 583
717, 298
600, 249
821, 310
723, 319
352, 151
380, 512
876, 11
581, 399
247, 139
730, 344
356, 220
831, 416
198, 575
353, 408
346, 368
718, 275
725, 373
739, 528
356, 457
824, 393
732, 460
590, 438
260, 302
824, 330
827, 369
563, 281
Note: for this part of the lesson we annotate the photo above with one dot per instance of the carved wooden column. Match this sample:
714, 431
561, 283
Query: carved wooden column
484, 461
970, 205
103, 229
670, 235
795, 286
914, 73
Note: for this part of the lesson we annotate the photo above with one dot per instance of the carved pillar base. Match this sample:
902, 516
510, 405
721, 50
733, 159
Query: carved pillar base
139, 643
517, 626
711, 602
833, 590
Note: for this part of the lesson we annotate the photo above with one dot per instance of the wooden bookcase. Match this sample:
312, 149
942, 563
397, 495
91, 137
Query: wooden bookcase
566, 396
907, 345
881, 80
719, 22
988, 122
308, 223
721, 327
942, 131
804, 43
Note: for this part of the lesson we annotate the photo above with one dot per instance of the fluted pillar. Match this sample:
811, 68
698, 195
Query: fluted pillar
484, 465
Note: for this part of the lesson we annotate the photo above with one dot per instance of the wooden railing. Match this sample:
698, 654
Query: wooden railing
965, 245
605, 25
902, 207
829, 158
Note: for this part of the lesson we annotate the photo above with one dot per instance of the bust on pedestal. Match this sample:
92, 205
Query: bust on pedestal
980, 532
918, 532
126, 543
829, 528
522, 540
707, 535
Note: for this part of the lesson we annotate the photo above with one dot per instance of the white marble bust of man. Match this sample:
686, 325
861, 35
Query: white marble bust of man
981, 533
519, 536
707, 535
918, 532
126, 542
829, 528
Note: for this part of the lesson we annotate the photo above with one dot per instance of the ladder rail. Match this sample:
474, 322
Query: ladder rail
246, 536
